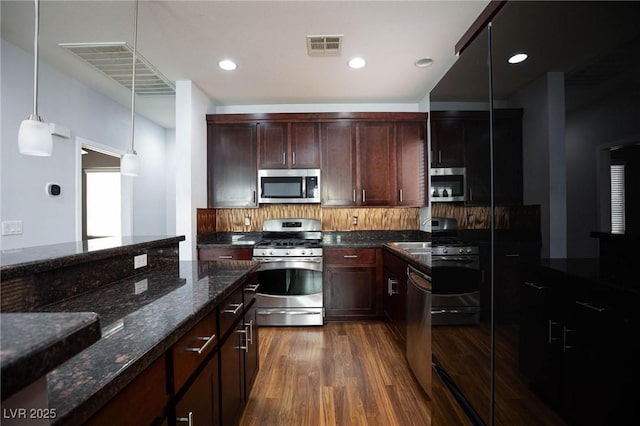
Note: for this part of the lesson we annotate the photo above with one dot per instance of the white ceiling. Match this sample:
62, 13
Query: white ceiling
185, 40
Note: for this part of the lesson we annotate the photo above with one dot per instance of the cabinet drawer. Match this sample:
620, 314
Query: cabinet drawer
193, 348
350, 257
230, 310
224, 254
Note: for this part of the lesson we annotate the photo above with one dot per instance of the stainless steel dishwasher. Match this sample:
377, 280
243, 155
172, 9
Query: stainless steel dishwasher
419, 326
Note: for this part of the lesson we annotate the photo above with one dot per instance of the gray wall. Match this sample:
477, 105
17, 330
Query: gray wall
90, 115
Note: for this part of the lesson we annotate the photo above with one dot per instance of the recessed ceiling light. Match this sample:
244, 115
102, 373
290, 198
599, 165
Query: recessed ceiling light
517, 58
356, 63
227, 65
423, 62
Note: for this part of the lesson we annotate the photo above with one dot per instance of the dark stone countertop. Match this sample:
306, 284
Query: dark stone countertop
32, 344
141, 318
422, 262
29, 260
369, 239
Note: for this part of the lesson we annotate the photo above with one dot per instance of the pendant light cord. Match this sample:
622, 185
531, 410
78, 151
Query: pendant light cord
133, 74
35, 59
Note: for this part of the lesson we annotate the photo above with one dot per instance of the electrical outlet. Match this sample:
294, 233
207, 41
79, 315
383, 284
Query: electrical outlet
139, 261
247, 221
470, 219
141, 286
11, 227
355, 220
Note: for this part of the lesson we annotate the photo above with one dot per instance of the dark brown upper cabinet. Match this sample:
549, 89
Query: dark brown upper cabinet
376, 164
288, 146
447, 141
411, 163
338, 164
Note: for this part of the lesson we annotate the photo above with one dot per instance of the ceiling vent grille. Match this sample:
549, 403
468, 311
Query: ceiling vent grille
324, 45
115, 61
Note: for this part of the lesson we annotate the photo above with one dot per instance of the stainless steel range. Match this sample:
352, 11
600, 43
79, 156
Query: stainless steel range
456, 274
290, 274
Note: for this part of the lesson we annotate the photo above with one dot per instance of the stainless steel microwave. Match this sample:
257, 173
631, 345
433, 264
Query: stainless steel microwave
284, 186
448, 184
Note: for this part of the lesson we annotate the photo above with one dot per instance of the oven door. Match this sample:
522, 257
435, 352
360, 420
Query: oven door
456, 290
290, 292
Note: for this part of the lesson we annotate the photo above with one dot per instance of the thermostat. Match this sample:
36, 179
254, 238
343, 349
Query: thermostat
53, 189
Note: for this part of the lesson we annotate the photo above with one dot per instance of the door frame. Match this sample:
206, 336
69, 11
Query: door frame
126, 188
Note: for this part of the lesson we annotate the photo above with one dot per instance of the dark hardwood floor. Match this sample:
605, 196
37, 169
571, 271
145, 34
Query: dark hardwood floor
344, 373
355, 373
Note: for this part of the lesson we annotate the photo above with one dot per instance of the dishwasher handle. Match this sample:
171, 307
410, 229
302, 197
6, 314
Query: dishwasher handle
419, 279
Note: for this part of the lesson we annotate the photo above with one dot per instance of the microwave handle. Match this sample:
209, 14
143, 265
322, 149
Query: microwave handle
470, 194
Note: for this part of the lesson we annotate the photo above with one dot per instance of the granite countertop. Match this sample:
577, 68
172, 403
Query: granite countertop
422, 262
369, 239
15, 262
32, 344
141, 318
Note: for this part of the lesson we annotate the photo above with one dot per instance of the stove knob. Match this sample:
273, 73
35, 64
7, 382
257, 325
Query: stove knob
286, 253
270, 252
469, 250
445, 251
461, 251
302, 253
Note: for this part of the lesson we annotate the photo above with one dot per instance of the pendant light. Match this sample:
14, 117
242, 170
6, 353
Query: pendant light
130, 162
34, 136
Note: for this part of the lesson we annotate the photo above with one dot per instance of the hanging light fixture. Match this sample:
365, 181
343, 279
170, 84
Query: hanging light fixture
34, 136
130, 162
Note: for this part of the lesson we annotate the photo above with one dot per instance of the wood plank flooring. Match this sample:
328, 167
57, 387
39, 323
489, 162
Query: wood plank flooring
344, 373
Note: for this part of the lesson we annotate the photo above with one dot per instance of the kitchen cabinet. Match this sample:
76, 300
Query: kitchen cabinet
507, 157
338, 157
376, 164
199, 405
224, 253
447, 140
395, 294
288, 145
147, 393
576, 348
358, 164
352, 284
411, 163
231, 165
462, 139
251, 350
232, 330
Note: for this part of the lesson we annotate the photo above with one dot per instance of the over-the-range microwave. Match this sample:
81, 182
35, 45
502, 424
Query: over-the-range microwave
448, 184
284, 186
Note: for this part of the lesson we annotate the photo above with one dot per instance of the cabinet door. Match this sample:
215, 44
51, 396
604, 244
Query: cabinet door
273, 150
338, 150
251, 355
395, 294
478, 160
411, 163
376, 164
305, 146
199, 405
232, 165
447, 142
353, 284
508, 157
231, 377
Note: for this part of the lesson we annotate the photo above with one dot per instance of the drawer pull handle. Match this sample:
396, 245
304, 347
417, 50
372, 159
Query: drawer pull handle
252, 288
350, 256
225, 256
187, 420
250, 325
590, 306
551, 338
207, 342
391, 290
566, 330
246, 337
535, 285
236, 308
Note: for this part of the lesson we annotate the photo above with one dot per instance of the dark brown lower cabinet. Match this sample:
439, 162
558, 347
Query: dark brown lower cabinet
200, 405
232, 376
577, 347
353, 284
395, 294
251, 351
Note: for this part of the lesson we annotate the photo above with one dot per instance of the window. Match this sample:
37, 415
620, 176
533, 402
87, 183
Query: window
617, 199
103, 202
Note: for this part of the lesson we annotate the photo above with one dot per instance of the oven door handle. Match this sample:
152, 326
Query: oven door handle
283, 312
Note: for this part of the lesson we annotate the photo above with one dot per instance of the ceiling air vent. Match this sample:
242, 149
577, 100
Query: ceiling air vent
324, 45
114, 60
